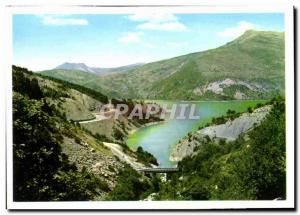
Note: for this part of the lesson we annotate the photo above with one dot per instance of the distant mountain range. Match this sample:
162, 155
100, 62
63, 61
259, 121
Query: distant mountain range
95, 70
249, 67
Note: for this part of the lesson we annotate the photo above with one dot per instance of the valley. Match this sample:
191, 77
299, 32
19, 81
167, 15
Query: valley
160, 139
237, 90
249, 67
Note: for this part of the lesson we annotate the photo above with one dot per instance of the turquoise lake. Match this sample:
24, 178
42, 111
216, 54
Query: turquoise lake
159, 139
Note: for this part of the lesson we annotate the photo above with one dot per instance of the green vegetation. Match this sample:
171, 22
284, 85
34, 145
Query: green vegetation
230, 115
25, 85
180, 83
129, 186
41, 172
221, 63
67, 85
256, 58
145, 157
40, 131
248, 168
133, 186
55, 94
252, 167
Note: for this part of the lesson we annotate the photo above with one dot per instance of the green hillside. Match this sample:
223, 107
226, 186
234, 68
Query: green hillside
79, 77
251, 167
46, 145
249, 67
58, 159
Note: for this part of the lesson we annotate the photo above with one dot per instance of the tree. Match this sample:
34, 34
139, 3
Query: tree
117, 133
230, 112
36, 150
250, 109
41, 172
129, 186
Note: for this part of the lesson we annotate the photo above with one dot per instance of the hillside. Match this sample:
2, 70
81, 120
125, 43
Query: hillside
237, 156
250, 166
249, 67
81, 78
57, 159
229, 131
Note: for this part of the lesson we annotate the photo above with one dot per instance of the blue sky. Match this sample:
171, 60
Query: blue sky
45, 41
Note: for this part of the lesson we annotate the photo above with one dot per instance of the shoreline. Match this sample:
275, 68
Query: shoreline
132, 131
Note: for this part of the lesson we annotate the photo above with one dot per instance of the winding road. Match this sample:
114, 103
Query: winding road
118, 151
99, 117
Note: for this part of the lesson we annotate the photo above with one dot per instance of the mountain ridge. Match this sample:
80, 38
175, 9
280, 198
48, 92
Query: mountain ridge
249, 67
95, 70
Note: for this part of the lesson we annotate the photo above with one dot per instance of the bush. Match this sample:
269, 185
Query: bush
145, 157
250, 109
129, 186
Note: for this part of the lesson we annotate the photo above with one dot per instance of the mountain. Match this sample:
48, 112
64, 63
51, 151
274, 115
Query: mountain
107, 71
249, 67
75, 66
95, 70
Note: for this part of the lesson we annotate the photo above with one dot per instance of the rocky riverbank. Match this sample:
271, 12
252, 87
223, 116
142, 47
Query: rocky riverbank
228, 131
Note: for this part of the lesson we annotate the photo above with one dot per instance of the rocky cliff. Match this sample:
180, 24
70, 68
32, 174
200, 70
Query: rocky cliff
228, 131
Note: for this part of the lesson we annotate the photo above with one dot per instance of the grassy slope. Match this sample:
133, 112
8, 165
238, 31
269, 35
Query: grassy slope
255, 57
85, 79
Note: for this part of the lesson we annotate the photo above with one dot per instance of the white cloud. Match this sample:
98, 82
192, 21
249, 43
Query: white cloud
158, 21
135, 38
238, 30
58, 20
131, 37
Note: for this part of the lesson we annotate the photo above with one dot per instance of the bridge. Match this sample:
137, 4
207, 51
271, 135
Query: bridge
158, 170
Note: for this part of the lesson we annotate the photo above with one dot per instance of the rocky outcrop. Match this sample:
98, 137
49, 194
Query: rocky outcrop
229, 131
218, 87
103, 164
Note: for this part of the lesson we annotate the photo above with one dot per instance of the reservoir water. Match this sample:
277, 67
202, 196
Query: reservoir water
159, 139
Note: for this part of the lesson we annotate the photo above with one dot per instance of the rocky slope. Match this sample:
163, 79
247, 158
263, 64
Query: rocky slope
76, 105
229, 131
82, 147
98, 160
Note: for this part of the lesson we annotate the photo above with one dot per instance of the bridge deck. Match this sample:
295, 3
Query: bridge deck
158, 170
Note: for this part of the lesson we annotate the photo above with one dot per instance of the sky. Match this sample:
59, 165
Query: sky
43, 42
